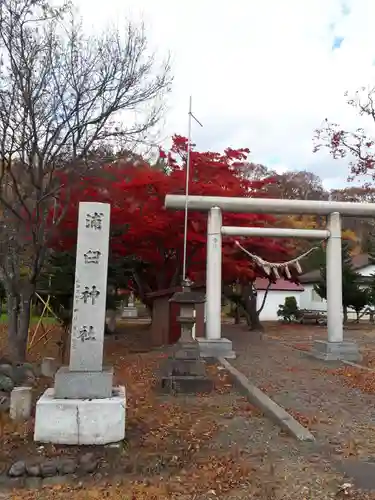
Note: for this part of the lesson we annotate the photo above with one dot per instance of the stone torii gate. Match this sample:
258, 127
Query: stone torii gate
213, 344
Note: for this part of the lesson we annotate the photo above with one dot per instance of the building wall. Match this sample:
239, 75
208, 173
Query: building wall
308, 299
368, 270
311, 300
273, 300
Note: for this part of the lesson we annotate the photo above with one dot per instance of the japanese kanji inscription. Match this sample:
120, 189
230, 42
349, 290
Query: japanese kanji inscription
86, 333
92, 256
90, 293
94, 221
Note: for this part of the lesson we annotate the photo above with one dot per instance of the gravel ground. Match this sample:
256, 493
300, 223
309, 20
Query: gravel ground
282, 468
341, 419
266, 463
278, 467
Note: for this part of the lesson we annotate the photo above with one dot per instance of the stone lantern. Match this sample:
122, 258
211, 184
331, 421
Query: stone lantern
185, 370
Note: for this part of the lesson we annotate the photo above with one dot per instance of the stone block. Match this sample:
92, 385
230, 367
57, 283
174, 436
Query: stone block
186, 350
48, 367
336, 351
80, 422
130, 312
193, 368
20, 403
83, 385
216, 348
187, 384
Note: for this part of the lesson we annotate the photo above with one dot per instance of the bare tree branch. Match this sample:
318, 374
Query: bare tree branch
63, 96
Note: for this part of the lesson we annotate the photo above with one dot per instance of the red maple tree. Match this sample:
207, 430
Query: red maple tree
143, 230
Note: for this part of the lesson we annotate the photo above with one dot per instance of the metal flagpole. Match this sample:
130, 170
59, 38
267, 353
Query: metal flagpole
187, 185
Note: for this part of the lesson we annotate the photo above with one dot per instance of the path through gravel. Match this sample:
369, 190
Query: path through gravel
342, 419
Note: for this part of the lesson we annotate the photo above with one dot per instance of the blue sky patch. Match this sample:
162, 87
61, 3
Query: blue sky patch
337, 41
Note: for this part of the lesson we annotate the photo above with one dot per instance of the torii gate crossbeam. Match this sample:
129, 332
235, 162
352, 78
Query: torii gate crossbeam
214, 345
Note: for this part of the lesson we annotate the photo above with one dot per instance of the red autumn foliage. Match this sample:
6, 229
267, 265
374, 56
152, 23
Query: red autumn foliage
142, 227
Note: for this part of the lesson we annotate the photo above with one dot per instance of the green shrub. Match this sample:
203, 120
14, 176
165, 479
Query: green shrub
289, 310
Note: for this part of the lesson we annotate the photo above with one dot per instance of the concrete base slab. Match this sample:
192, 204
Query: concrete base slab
334, 351
80, 422
217, 348
272, 410
83, 385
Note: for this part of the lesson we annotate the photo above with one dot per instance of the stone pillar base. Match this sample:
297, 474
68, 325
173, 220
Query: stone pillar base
80, 421
336, 351
216, 348
185, 371
83, 385
186, 384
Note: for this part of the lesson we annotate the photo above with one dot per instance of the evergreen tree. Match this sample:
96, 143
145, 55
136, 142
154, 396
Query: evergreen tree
358, 299
369, 247
57, 279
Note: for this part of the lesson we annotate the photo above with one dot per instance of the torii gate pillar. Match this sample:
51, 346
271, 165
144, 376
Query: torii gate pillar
334, 348
213, 345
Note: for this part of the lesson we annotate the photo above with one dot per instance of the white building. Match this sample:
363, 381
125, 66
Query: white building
276, 296
304, 293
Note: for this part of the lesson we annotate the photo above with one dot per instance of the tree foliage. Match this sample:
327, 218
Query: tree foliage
151, 237
62, 95
301, 185
57, 281
354, 295
357, 145
289, 311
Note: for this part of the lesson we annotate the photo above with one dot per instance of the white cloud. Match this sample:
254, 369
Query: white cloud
262, 74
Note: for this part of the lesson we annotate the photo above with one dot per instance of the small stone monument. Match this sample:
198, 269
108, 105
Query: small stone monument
130, 311
20, 403
185, 371
83, 407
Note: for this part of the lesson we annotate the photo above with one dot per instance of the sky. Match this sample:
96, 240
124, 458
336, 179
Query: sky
262, 74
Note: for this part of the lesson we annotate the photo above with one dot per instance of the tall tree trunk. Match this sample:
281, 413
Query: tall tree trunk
250, 306
23, 326
13, 312
19, 309
264, 298
237, 315
247, 303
